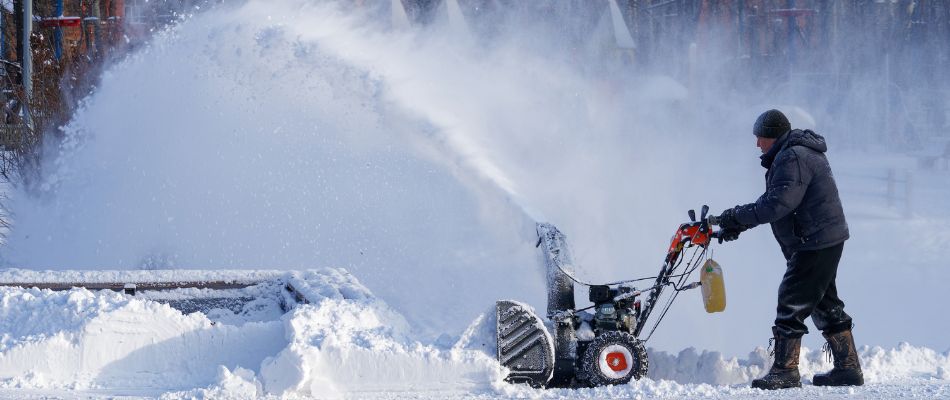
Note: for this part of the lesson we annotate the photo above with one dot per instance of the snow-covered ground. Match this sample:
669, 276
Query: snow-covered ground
298, 134
345, 343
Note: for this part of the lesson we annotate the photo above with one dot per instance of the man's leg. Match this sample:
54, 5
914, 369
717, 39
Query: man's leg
835, 324
829, 315
807, 278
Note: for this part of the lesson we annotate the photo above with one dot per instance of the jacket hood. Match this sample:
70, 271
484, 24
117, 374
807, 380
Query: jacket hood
808, 139
796, 137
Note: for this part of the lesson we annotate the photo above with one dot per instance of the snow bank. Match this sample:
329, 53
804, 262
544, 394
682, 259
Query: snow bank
81, 339
358, 344
343, 342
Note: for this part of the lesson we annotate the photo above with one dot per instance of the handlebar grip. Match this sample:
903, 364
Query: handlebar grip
713, 220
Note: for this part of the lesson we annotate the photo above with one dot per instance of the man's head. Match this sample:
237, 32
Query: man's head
770, 126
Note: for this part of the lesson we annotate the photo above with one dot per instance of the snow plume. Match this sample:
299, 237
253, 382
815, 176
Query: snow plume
303, 133
236, 141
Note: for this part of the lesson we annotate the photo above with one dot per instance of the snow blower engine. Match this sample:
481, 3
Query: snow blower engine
577, 347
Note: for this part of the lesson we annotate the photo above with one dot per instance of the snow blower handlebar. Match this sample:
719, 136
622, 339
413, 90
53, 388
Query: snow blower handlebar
695, 233
689, 234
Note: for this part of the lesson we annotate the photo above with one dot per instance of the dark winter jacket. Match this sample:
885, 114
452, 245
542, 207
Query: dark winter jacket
801, 199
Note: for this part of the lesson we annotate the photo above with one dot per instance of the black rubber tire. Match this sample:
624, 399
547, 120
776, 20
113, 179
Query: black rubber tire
590, 361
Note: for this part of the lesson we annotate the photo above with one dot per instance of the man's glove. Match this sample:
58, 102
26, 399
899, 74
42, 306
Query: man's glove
729, 227
728, 235
727, 221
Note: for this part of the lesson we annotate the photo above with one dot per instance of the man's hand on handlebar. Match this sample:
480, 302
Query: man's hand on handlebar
728, 235
727, 221
730, 228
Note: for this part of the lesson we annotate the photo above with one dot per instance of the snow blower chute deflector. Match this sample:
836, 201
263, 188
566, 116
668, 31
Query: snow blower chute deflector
577, 348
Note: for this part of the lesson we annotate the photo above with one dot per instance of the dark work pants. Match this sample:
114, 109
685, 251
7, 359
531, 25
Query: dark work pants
808, 289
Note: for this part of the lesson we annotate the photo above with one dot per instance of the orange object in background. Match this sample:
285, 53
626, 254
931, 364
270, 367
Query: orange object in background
62, 22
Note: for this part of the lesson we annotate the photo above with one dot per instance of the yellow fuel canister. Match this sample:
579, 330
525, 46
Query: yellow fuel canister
714, 288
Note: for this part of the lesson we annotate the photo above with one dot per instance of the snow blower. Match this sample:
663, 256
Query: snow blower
577, 347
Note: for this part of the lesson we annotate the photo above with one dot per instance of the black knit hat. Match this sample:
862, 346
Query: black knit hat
772, 124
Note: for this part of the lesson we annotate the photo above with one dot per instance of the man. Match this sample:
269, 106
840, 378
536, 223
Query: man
801, 203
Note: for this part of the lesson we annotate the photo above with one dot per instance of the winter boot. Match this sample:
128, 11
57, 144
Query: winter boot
847, 370
784, 371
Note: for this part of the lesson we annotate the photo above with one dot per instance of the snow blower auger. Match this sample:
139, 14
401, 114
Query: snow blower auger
577, 348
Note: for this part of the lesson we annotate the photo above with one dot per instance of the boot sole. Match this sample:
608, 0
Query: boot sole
837, 384
776, 385
838, 381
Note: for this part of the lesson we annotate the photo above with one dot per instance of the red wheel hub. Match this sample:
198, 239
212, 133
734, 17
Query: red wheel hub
616, 361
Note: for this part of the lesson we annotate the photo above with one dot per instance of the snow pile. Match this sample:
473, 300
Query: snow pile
344, 340
340, 346
905, 362
689, 366
80, 339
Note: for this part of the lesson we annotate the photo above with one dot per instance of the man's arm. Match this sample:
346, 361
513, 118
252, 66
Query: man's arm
783, 194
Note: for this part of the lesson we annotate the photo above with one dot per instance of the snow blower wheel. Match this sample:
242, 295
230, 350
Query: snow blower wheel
613, 358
